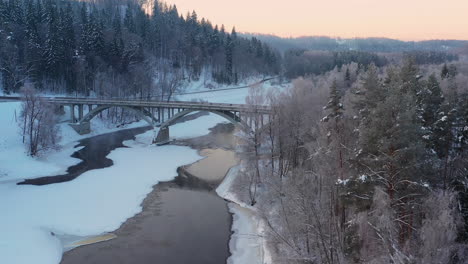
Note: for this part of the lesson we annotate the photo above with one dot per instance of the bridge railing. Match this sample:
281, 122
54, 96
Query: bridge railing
151, 103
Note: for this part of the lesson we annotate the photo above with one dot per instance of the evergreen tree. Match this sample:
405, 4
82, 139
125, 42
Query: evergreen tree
53, 49
63, 43
229, 57
117, 24
391, 151
67, 28
444, 73
347, 77
430, 100
128, 20
371, 93
234, 33
334, 104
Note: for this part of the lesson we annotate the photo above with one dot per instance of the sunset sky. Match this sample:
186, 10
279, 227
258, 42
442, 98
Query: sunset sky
401, 19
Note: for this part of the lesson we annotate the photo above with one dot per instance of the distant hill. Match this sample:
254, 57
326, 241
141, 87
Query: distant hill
360, 44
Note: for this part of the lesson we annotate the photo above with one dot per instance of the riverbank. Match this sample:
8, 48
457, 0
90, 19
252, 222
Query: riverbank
90, 205
144, 238
182, 221
248, 242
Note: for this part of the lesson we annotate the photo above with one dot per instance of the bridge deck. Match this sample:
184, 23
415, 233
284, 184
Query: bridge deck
151, 104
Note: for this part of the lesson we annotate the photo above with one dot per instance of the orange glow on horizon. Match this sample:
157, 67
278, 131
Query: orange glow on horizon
399, 19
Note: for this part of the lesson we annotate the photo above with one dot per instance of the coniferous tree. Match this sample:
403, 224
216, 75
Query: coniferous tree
391, 151
128, 20
58, 43
430, 101
444, 73
229, 59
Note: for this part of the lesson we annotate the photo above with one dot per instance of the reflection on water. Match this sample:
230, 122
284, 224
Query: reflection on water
214, 166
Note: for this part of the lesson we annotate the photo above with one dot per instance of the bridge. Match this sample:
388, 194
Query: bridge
155, 113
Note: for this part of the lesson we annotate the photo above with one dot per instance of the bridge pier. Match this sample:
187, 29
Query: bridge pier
72, 113
80, 112
162, 137
81, 128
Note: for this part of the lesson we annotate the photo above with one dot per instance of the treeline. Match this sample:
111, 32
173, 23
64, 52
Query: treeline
373, 172
360, 44
307, 62
302, 62
77, 47
430, 57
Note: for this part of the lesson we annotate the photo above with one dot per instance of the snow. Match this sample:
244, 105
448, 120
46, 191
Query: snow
101, 200
232, 96
15, 163
342, 182
363, 177
98, 201
196, 128
247, 244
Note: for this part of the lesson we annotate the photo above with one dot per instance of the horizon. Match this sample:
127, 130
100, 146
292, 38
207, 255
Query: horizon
338, 37
417, 20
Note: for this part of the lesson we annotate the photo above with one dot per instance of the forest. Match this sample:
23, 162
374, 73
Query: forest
364, 158
364, 165
115, 48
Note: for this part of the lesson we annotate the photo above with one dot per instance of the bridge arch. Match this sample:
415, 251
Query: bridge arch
139, 111
163, 134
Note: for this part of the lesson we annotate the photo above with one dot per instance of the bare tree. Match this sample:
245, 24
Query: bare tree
253, 139
38, 121
439, 228
168, 79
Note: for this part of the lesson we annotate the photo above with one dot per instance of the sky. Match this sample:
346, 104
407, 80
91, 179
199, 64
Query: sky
400, 19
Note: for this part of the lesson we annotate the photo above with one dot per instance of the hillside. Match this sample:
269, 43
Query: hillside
109, 48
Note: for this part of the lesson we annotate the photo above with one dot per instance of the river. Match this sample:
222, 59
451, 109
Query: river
183, 221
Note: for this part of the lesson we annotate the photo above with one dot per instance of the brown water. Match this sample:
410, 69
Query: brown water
183, 221
217, 163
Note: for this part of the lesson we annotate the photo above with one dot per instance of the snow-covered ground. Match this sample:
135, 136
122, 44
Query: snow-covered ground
100, 200
232, 96
247, 243
16, 165
189, 130
96, 202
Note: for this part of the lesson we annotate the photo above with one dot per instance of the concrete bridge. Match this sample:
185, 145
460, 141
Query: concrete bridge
155, 113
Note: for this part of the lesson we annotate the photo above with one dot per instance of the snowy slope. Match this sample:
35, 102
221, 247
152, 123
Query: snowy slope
232, 96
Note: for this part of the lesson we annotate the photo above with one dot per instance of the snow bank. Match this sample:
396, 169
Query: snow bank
96, 202
247, 244
14, 162
195, 128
